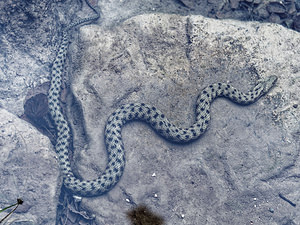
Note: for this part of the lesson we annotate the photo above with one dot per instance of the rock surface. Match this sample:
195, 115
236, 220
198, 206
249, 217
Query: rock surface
242, 170
30, 32
29, 170
234, 173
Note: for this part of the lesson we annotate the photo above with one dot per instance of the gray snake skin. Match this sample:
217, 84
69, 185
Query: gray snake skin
135, 111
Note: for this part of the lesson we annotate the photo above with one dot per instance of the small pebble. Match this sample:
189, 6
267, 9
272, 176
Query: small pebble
234, 4
297, 23
262, 12
274, 18
77, 198
276, 7
271, 210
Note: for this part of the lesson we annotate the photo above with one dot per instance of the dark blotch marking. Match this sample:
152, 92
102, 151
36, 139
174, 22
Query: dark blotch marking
141, 215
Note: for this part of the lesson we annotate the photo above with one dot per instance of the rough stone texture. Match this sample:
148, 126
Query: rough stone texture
29, 170
235, 172
29, 37
30, 32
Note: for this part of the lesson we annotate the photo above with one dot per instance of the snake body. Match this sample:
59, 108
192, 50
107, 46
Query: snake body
135, 111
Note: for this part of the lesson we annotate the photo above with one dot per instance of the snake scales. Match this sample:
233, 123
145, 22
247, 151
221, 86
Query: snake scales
135, 111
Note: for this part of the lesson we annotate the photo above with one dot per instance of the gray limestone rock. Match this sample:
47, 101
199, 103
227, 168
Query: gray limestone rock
29, 170
242, 170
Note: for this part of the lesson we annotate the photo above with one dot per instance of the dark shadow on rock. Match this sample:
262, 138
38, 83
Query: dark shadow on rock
141, 215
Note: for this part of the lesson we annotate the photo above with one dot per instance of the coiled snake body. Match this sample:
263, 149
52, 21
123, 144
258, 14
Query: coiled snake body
135, 111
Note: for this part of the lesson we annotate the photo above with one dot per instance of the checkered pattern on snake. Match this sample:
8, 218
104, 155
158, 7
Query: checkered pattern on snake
135, 111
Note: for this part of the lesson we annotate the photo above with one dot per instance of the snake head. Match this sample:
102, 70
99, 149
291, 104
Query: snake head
268, 83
